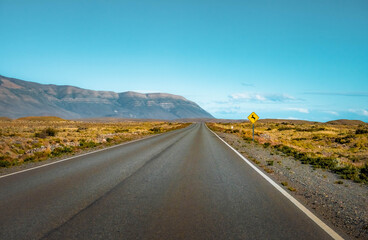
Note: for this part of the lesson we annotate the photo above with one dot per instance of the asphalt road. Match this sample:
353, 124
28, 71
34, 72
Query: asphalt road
185, 184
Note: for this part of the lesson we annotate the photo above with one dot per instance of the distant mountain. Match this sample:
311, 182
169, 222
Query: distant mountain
20, 98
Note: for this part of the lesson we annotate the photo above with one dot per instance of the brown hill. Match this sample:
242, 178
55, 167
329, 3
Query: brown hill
346, 122
5, 119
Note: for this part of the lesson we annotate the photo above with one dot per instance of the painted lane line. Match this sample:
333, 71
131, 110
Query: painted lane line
314, 218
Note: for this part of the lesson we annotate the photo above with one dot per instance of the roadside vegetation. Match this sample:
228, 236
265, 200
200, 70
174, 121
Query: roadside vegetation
37, 139
340, 148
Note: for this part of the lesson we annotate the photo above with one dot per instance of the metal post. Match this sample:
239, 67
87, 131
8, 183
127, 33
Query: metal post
253, 132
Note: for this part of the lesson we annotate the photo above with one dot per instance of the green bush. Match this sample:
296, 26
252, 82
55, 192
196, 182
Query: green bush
4, 162
316, 162
346, 172
60, 151
29, 158
84, 144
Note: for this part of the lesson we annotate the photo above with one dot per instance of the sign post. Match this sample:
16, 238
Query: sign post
253, 117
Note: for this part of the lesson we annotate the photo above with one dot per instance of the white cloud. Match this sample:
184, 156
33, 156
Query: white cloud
332, 112
301, 110
241, 96
258, 97
359, 111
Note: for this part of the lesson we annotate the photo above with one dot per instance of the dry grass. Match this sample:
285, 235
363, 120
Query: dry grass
41, 118
339, 147
24, 140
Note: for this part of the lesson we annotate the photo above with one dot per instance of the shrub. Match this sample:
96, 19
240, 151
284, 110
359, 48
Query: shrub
41, 134
121, 130
266, 145
347, 172
155, 129
81, 129
267, 170
50, 131
4, 162
29, 158
61, 150
316, 162
299, 139
84, 144
342, 140
284, 128
313, 129
359, 175
361, 131
46, 132
364, 173
247, 139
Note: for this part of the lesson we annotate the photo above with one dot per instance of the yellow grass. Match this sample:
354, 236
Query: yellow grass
316, 139
34, 140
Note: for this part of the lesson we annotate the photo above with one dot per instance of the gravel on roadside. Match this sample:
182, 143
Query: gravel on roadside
340, 203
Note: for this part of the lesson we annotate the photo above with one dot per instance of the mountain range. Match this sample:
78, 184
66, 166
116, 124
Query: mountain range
19, 98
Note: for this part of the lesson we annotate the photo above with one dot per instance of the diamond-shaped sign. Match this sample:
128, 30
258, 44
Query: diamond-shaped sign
253, 117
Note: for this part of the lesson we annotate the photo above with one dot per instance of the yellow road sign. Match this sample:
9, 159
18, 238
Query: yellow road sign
253, 117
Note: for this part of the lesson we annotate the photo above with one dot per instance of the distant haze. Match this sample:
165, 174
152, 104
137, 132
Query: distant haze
20, 98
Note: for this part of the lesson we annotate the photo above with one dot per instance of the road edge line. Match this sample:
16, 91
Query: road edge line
79, 155
313, 217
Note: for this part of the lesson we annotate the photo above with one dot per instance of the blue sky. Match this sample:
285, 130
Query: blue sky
281, 59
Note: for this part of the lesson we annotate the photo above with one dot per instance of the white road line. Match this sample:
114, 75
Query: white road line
315, 219
81, 155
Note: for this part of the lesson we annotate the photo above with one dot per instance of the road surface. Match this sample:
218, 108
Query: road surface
185, 184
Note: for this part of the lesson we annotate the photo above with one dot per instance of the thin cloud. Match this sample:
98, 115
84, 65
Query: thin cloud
301, 110
347, 94
359, 111
332, 112
258, 97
